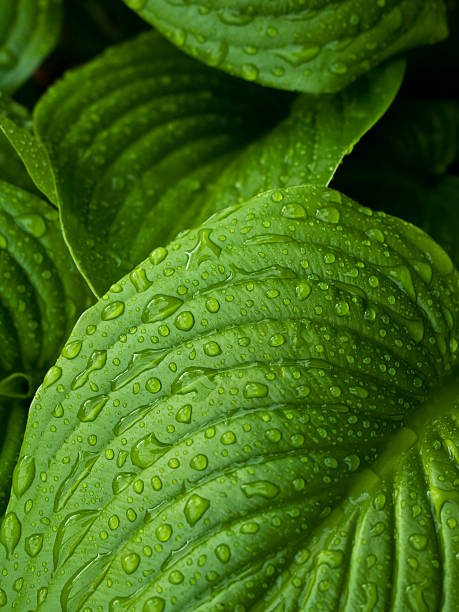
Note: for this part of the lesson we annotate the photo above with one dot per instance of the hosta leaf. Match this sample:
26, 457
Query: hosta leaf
261, 416
29, 29
16, 130
13, 415
152, 131
41, 295
401, 167
315, 47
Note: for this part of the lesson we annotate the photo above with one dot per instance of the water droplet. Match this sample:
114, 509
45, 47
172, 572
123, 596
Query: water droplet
112, 311
91, 408
146, 450
294, 211
329, 214
10, 532
33, 544
249, 72
154, 604
160, 307
237, 18
163, 532
260, 488
223, 553
23, 475
184, 414
303, 290
130, 563
72, 349
402, 277
139, 363
195, 508
199, 462
153, 385
300, 55
255, 390
96, 361
276, 340
352, 462
212, 305
379, 501
338, 68
342, 309
250, 528
203, 250
212, 349
139, 279
158, 255
194, 379
184, 321
80, 469
33, 224
418, 541
176, 577
52, 376
228, 438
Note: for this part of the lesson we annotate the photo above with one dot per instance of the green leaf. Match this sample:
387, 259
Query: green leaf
41, 291
29, 30
159, 142
320, 47
16, 132
262, 416
13, 415
401, 167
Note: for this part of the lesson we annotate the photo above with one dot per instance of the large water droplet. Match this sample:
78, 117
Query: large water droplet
260, 488
146, 450
160, 307
23, 475
91, 408
195, 507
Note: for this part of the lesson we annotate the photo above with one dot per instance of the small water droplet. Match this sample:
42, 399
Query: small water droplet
130, 563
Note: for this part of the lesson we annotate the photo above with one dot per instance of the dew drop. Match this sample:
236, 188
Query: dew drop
33, 544
195, 508
260, 488
91, 408
184, 321
23, 475
223, 553
112, 311
72, 349
130, 563
255, 390
329, 214
52, 376
160, 307
199, 462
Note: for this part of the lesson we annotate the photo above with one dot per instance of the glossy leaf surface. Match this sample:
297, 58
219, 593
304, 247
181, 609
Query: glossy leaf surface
29, 30
316, 47
159, 142
262, 415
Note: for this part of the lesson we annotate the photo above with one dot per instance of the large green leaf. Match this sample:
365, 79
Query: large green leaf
157, 142
29, 30
316, 46
262, 415
41, 295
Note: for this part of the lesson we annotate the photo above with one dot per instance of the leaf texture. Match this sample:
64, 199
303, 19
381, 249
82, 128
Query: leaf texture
29, 30
262, 416
315, 47
159, 142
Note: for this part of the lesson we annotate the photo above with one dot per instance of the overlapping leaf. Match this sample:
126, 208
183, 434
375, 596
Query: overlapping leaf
314, 47
29, 30
261, 416
406, 167
41, 295
145, 142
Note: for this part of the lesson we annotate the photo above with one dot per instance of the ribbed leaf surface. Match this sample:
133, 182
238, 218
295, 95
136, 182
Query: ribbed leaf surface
29, 30
145, 142
316, 46
262, 415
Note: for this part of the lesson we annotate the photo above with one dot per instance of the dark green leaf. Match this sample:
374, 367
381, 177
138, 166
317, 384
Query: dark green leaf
157, 142
16, 129
261, 416
316, 46
29, 30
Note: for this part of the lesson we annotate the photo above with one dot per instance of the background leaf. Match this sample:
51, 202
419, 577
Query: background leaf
41, 295
29, 29
159, 142
318, 47
408, 166
265, 409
